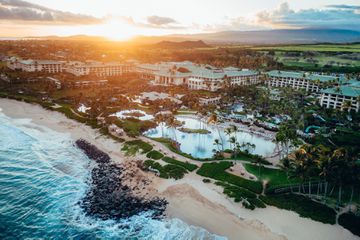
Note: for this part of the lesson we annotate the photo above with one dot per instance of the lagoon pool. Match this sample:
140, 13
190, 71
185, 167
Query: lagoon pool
202, 145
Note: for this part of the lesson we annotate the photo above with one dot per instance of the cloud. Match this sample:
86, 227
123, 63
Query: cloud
343, 6
334, 16
155, 22
160, 21
231, 24
18, 10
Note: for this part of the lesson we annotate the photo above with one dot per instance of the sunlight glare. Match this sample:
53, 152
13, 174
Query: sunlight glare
115, 29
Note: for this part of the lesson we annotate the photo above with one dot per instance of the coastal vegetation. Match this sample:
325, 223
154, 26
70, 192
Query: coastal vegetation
217, 171
156, 155
166, 171
188, 166
249, 199
351, 222
303, 206
199, 131
134, 146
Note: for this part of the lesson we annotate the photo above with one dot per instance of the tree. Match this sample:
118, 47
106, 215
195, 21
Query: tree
286, 135
217, 143
232, 141
228, 132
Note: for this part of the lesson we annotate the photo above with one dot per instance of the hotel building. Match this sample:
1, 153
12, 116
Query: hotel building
345, 97
199, 77
97, 68
49, 66
299, 80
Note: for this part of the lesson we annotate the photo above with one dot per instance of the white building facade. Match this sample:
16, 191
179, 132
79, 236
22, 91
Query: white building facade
97, 68
48, 66
342, 97
199, 77
298, 80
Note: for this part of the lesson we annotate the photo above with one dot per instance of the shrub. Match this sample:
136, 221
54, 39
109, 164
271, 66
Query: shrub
154, 155
248, 205
157, 166
304, 206
206, 180
167, 171
350, 222
175, 171
188, 166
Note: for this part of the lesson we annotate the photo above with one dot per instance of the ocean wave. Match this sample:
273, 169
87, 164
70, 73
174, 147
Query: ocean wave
42, 179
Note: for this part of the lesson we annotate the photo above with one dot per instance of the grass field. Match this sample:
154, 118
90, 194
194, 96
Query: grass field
218, 172
272, 176
313, 47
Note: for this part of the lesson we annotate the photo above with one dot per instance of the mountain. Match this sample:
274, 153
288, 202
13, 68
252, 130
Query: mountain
184, 44
282, 36
70, 38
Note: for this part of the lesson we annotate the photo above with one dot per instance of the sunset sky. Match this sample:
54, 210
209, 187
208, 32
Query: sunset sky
119, 19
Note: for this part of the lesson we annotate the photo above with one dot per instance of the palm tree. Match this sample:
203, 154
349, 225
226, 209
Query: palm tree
160, 119
235, 129
285, 136
232, 141
228, 132
217, 143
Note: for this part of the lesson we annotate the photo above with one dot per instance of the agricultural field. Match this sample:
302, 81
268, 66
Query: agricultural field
313, 47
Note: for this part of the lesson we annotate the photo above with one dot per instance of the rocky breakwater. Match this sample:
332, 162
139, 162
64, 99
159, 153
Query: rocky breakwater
109, 197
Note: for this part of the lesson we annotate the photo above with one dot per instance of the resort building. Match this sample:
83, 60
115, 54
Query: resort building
49, 66
344, 97
300, 80
147, 71
97, 68
197, 77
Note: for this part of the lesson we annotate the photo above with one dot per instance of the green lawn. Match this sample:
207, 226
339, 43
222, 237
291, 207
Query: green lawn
188, 166
273, 176
134, 127
217, 171
350, 222
132, 147
154, 155
314, 47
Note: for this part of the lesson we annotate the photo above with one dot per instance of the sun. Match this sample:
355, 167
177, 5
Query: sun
117, 30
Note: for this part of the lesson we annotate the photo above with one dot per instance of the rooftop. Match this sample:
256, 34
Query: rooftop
303, 75
348, 90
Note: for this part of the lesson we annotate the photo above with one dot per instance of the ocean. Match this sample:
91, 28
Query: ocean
43, 177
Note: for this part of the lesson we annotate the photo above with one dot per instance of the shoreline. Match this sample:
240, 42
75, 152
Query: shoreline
190, 199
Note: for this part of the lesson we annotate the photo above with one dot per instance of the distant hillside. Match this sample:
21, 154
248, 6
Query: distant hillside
281, 36
71, 38
284, 36
184, 44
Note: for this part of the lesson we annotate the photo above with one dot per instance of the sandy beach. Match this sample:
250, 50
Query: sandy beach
190, 199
